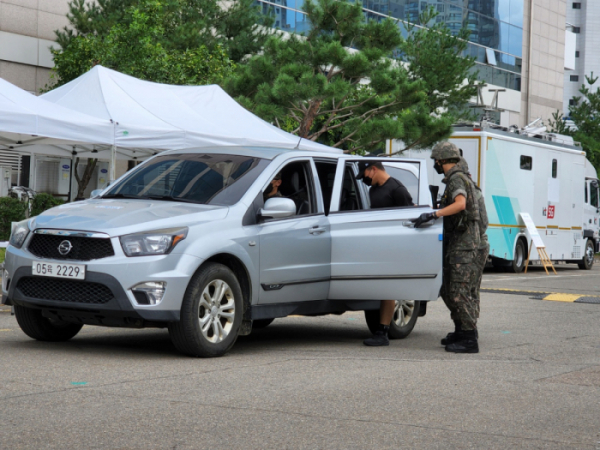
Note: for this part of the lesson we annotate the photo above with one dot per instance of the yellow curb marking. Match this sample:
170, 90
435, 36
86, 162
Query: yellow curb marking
5, 329
563, 297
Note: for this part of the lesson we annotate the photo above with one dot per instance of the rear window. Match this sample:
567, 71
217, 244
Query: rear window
407, 178
217, 179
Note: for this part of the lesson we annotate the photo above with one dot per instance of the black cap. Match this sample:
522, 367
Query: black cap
362, 166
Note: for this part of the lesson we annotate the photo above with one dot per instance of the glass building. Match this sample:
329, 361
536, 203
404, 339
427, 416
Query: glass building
496, 27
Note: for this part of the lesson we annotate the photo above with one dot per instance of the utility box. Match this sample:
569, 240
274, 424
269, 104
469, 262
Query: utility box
5, 180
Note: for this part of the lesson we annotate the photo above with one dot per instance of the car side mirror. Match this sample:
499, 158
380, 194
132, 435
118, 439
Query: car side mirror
96, 193
278, 208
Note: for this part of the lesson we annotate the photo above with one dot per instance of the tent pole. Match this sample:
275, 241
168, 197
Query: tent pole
113, 161
113, 155
73, 153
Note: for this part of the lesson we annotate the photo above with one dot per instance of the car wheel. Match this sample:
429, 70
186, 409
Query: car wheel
211, 313
404, 319
36, 326
518, 263
588, 258
261, 323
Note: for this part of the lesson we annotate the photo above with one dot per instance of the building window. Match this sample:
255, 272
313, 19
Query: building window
577, 5
576, 53
571, 102
574, 78
554, 168
526, 162
576, 30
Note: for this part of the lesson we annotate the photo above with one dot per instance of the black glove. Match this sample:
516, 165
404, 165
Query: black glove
425, 217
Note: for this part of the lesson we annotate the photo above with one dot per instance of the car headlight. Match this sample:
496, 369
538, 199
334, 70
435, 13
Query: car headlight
158, 242
19, 233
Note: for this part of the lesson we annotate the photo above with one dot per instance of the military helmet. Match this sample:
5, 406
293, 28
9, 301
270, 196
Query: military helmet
444, 151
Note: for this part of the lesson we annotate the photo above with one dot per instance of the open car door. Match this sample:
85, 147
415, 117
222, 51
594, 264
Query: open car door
377, 254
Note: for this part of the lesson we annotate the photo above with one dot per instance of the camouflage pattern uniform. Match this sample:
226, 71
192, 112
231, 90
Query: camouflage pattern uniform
465, 242
484, 246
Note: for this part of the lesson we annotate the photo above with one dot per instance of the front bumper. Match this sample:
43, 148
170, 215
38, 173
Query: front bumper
114, 275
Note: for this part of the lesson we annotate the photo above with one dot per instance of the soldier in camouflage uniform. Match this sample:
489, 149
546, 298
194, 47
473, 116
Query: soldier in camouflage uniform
465, 246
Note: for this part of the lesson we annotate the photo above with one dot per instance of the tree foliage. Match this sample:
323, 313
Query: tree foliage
236, 25
136, 45
340, 84
585, 114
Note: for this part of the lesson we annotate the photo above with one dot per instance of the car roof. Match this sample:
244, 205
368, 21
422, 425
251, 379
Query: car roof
258, 152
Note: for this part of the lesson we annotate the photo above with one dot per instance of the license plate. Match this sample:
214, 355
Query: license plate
58, 270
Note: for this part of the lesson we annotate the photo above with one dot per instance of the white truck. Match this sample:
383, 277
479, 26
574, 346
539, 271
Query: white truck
547, 176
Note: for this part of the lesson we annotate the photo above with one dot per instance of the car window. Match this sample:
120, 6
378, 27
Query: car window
326, 173
349, 197
194, 178
407, 178
297, 184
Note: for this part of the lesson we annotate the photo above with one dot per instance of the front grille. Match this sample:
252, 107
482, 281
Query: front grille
84, 248
64, 290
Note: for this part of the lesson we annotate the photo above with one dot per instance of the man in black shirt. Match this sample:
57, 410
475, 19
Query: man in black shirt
385, 192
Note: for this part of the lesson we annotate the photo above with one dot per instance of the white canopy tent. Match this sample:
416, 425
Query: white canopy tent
150, 117
27, 120
32, 125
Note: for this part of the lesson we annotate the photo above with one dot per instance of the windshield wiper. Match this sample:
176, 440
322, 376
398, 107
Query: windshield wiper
120, 196
170, 198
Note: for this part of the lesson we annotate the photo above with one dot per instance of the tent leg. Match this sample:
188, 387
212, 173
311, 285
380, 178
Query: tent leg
113, 162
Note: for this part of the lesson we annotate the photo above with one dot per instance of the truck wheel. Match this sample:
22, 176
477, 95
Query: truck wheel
588, 257
404, 319
211, 313
42, 328
518, 263
261, 323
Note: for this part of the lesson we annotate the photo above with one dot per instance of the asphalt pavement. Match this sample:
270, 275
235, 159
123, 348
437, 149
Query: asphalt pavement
310, 383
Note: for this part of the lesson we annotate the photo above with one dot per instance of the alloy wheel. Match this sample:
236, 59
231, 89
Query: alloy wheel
403, 312
217, 311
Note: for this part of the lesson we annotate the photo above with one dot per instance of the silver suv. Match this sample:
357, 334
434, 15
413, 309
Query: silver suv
186, 241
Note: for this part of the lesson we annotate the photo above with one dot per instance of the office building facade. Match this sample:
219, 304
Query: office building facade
583, 20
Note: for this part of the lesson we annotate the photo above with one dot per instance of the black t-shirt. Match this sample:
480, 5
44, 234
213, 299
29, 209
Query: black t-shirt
389, 194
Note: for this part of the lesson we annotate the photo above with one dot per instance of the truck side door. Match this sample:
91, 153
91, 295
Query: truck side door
377, 254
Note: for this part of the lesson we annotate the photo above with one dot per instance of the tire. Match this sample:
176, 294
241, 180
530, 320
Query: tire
211, 313
405, 317
518, 262
261, 323
42, 328
588, 257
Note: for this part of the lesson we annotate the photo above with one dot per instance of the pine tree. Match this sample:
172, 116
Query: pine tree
340, 83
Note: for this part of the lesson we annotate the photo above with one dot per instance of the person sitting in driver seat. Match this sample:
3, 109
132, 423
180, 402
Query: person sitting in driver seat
272, 189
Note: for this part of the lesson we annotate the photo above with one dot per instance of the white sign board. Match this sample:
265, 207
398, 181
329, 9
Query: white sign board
532, 230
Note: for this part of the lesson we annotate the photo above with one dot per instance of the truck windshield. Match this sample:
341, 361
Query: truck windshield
208, 178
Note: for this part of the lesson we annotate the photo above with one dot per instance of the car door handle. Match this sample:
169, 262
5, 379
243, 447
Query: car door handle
410, 223
317, 230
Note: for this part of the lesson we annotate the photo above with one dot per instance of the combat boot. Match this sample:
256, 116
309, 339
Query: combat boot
379, 338
466, 343
449, 339
452, 337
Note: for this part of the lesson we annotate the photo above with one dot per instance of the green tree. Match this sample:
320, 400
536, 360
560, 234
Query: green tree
136, 46
236, 25
436, 56
585, 114
339, 83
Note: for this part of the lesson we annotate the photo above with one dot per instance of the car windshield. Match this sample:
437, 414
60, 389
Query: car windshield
193, 178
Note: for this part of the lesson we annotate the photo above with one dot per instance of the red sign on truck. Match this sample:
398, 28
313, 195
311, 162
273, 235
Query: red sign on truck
551, 212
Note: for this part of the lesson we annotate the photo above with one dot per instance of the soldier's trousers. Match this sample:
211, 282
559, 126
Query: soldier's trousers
460, 290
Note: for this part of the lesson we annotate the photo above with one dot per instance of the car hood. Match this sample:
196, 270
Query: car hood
123, 216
